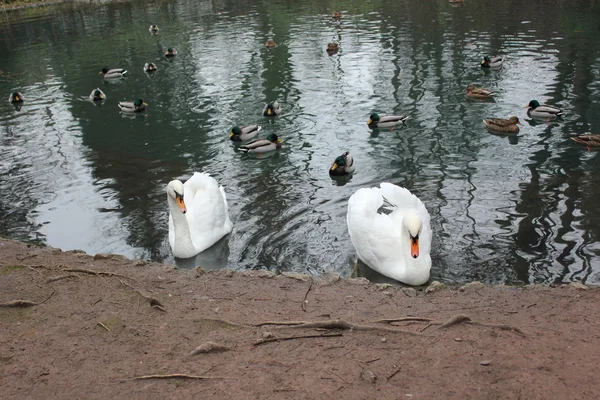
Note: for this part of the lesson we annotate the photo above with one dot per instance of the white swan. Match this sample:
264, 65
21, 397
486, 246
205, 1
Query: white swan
198, 215
397, 243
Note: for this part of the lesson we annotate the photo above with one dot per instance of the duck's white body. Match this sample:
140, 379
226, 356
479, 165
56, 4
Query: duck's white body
207, 217
383, 242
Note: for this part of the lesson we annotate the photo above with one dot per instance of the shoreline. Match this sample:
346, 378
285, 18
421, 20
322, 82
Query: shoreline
70, 322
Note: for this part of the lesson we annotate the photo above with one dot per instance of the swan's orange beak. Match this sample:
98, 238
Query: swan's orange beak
181, 204
414, 247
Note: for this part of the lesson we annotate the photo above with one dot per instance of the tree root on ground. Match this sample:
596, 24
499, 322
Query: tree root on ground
181, 376
455, 320
154, 302
281, 339
334, 324
24, 303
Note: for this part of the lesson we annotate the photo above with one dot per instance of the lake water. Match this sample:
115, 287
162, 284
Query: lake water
504, 209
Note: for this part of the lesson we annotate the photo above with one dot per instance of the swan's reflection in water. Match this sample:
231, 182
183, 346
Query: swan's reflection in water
215, 257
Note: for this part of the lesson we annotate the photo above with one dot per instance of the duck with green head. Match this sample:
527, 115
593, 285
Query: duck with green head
133, 106
272, 109
493, 62
385, 121
97, 95
503, 125
153, 29
150, 67
114, 73
170, 52
342, 165
16, 97
241, 134
271, 143
544, 111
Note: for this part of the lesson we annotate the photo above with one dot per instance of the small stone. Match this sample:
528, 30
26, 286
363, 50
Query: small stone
472, 287
209, 347
228, 273
76, 251
267, 335
358, 281
485, 362
368, 376
578, 286
296, 275
261, 273
383, 286
328, 278
200, 271
383, 340
457, 339
434, 287
410, 292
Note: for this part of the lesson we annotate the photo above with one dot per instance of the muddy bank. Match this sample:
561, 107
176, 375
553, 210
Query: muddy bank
110, 327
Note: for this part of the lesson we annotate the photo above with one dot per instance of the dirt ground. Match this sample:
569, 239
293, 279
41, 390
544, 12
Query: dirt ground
100, 335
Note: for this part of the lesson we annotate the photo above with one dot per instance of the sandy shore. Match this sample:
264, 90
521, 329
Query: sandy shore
98, 327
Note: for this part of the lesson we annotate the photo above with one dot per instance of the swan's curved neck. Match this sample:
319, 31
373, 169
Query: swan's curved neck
183, 240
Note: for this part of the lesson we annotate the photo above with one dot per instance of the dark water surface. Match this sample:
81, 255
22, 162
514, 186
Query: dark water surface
504, 209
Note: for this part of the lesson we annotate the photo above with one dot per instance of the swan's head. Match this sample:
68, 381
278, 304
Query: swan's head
175, 191
414, 224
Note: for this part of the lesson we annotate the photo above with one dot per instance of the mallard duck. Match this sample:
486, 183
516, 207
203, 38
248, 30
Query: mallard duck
270, 43
272, 142
132, 106
589, 140
390, 230
244, 133
16, 97
170, 52
479, 93
493, 62
272, 109
115, 73
332, 47
342, 165
503, 125
97, 95
198, 214
153, 28
385, 121
535, 110
150, 67
336, 15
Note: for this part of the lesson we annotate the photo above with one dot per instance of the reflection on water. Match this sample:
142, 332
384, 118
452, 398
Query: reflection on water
513, 208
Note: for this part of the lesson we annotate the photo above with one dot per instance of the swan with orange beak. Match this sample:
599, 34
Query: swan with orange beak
391, 232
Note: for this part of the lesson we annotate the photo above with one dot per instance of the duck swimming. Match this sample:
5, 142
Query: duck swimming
479, 93
115, 73
97, 95
333, 47
170, 52
390, 230
150, 67
16, 97
244, 133
270, 43
271, 143
503, 125
385, 121
342, 165
272, 109
589, 140
153, 28
133, 106
494, 62
537, 110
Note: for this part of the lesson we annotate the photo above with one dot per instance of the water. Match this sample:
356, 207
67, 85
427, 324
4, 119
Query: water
504, 209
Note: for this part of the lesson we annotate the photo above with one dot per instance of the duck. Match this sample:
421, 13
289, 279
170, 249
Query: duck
239, 134
493, 62
132, 106
589, 140
272, 109
153, 28
16, 97
332, 47
479, 93
391, 232
114, 73
198, 214
170, 52
342, 165
97, 95
270, 143
150, 67
336, 15
270, 43
503, 125
385, 121
537, 110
